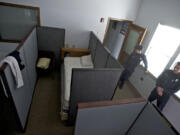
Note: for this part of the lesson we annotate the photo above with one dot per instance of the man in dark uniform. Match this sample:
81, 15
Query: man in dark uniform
167, 84
132, 62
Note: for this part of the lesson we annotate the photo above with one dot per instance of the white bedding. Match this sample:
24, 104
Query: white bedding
69, 64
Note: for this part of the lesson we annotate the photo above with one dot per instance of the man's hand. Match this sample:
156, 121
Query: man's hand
160, 91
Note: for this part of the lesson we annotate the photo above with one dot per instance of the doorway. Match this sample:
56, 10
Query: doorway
134, 37
121, 37
115, 34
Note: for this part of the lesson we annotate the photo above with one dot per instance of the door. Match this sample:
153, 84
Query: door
115, 34
135, 36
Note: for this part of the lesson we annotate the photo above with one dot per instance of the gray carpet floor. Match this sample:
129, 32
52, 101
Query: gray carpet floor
44, 118
128, 91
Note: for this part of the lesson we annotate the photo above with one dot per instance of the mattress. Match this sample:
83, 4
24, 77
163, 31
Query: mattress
69, 64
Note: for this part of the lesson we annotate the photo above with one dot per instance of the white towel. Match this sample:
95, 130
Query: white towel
12, 62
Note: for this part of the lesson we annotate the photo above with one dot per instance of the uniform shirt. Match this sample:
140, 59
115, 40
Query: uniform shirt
134, 60
169, 81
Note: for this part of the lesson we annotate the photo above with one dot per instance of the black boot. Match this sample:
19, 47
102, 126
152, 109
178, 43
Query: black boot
121, 83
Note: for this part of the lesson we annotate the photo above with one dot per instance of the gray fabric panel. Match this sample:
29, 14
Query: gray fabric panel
101, 56
35, 46
92, 45
112, 63
3, 55
30, 52
91, 85
150, 122
63, 105
22, 97
108, 120
51, 39
7, 47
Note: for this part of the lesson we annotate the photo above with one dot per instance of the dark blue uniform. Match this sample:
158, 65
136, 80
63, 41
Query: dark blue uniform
132, 62
170, 82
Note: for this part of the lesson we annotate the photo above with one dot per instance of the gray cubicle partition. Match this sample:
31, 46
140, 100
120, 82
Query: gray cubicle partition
91, 85
6, 48
113, 63
22, 97
124, 119
51, 39
92, 45
101, 56
150, 122
107, 120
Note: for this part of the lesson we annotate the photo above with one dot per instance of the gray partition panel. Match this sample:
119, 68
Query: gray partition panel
113, 63
51, 39
92, 45
91, 85
107, 120
22, 97
8, 47
150, 122
101, 56
31, 54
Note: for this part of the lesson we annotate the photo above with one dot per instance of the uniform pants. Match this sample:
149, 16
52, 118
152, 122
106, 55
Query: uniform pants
124, 77
161, 100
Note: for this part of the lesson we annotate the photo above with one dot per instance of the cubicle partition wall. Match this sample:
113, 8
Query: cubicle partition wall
91, 85
123, 117
21, 98
51, 39
6, 48
151, 122
101, 55
96, 84
92, 44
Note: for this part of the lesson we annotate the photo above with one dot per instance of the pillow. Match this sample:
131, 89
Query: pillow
43, 63
86, 60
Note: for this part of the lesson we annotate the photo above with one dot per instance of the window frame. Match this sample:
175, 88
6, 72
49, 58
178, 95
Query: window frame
168, 65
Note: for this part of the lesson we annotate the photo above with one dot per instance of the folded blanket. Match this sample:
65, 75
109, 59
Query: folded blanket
43, 63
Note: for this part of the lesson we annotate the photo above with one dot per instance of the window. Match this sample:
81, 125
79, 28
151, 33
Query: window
162, 47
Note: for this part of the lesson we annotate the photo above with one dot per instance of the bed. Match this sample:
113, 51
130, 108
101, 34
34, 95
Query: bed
88, 78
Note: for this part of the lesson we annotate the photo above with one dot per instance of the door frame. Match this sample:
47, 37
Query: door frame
141, 38
108, 24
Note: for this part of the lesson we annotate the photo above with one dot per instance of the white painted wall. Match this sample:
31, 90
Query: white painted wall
153, 12
79, 17
150, 14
